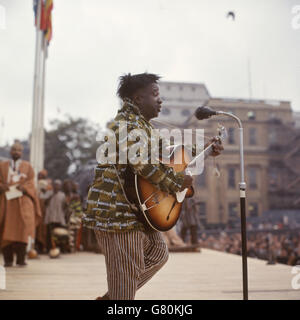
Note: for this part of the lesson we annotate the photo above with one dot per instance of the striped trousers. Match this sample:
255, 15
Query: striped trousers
132, 258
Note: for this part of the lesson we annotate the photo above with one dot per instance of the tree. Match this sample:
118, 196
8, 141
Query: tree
69, 145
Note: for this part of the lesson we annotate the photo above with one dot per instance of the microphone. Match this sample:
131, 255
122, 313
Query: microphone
204, 113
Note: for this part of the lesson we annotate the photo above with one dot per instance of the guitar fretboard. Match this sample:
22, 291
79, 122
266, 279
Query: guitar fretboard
205, 153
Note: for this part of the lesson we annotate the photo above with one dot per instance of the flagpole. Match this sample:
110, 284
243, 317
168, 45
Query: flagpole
42, 108
40, 123
37, 91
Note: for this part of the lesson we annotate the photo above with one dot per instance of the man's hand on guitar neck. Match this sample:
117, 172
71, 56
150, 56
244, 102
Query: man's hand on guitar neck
187, 182
217, 147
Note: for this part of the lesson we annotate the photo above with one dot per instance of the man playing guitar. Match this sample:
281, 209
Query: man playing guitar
133, 251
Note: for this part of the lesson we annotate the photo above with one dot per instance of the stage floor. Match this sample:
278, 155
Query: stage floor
208, 275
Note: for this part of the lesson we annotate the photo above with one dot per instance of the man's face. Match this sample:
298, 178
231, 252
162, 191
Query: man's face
149, 101
40, 176
16, 153
67, 186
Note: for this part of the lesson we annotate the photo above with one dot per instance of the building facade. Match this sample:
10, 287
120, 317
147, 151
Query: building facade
269, 128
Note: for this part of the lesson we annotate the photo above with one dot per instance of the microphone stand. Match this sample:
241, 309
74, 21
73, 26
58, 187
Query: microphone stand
242, 187
205, 112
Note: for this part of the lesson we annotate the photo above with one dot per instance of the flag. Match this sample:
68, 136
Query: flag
42, 18
35, 8
46, 19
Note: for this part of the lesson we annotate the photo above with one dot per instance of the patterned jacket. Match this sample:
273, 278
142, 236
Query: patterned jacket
107, 208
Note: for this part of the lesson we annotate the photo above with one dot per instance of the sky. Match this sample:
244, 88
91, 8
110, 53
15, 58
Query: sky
96, 41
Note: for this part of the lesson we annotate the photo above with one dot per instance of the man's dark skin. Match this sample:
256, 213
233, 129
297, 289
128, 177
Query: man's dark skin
149, 102
16, 154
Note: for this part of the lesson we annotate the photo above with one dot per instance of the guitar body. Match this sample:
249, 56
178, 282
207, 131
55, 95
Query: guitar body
161, 210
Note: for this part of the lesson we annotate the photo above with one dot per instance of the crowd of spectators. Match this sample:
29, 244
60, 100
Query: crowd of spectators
61, 206
275, 246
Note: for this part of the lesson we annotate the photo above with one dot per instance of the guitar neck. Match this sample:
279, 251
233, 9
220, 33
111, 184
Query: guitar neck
205, 153
208, 150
